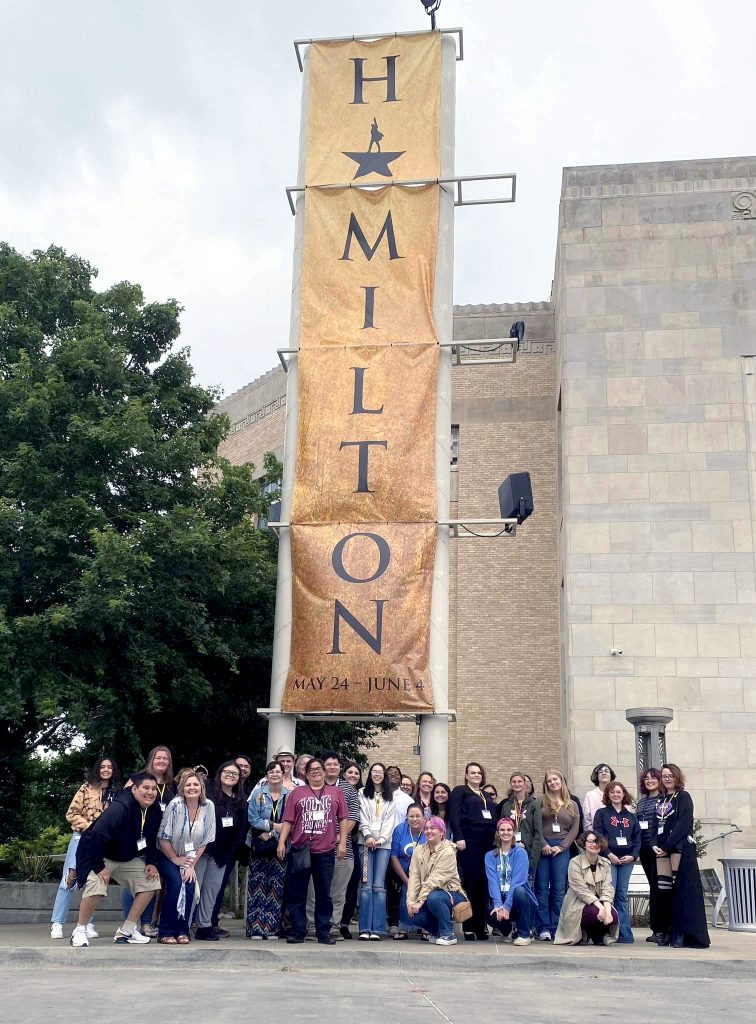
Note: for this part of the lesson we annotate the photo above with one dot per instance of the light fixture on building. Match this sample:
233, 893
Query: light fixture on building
516, 497
431, 6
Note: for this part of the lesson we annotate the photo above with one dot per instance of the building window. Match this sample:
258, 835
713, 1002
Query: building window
454, 443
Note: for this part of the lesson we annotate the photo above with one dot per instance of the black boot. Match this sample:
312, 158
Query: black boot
655, 937
664, 940
678, 941
206, 934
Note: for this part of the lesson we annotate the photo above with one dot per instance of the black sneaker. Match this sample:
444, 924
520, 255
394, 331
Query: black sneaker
294, 939
345, 933
327, 941
206, 935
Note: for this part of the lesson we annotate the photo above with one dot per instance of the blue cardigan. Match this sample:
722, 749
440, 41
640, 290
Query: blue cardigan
518, 859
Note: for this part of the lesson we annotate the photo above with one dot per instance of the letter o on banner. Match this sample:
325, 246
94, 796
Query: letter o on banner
384, 557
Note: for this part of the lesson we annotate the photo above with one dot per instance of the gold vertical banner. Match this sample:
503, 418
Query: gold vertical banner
363, 529
366, 435
374, 110
369, 266
361, 618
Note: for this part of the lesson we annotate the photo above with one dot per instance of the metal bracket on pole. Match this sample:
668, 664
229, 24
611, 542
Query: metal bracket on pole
299, 43
501, 527
349, 716
458, 183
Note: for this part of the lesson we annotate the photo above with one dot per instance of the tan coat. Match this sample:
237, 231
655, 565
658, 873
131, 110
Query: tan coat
582, 890
429, 871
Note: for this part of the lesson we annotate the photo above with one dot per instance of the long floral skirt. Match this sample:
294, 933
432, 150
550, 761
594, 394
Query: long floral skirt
265, 895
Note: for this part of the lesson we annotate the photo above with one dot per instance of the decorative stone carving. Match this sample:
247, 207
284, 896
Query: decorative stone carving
744, 206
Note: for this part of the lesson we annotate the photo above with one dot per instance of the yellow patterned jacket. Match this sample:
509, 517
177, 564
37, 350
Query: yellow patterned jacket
85, 808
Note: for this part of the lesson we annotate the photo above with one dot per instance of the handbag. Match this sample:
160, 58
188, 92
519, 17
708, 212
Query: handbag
263, 847
299, 859
462, 911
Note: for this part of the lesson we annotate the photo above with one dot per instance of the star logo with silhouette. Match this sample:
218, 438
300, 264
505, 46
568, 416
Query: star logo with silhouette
371, 162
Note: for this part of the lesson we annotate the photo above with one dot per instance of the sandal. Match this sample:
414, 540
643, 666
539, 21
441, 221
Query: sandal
167, 940
400, 935
182, 940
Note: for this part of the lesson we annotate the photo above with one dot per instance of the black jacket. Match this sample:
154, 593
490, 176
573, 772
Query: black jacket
467, 820
115, 835
227, 839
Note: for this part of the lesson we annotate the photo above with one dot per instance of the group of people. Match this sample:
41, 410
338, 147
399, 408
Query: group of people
410, 856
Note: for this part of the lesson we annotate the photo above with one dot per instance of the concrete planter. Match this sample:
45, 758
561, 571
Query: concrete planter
32, 903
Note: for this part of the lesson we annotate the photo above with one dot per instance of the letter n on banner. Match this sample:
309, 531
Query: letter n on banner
361, 618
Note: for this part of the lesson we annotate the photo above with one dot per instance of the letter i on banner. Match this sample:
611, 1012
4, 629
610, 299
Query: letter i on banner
364, 507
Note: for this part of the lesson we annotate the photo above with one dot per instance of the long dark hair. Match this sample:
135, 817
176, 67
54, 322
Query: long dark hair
93, 778
386, 791
440, 810
237, 790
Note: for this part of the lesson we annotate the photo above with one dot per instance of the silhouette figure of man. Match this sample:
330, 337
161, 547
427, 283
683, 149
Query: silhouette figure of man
375, 136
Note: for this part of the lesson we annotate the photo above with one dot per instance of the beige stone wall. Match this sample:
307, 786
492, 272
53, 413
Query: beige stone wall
656, 288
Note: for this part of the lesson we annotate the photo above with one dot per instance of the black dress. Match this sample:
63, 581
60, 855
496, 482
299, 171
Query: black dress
688, 910
473, 818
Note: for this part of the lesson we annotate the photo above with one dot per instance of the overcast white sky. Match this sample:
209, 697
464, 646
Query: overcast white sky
155, 137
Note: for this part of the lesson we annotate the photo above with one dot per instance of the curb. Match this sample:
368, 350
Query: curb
699, 965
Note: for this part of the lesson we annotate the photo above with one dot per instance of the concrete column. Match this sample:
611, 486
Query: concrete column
434, 729
282, 729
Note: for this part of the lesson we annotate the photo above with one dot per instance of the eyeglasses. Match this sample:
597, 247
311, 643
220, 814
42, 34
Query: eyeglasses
231, 775
591, 841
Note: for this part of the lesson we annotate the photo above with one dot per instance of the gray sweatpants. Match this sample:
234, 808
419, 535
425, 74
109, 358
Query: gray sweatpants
210, 877
342, 872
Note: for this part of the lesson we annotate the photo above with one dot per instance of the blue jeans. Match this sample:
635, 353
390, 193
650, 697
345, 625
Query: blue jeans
321, 872
550, 885
520, 915
435, 915
64, 894
170, 921
373, 890
620, 880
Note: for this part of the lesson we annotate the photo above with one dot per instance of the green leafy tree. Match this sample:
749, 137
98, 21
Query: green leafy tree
136, 593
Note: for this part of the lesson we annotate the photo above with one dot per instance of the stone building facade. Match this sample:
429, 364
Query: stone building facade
632, 404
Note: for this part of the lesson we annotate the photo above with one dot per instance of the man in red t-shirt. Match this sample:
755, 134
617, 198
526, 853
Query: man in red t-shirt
316, 817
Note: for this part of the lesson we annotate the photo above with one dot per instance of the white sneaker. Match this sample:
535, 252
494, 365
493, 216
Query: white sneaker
135, 938
56, 931
521, 940
79, 936
92, 932
544, 936
446, 940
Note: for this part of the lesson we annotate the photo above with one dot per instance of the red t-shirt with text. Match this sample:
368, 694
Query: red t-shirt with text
314, 817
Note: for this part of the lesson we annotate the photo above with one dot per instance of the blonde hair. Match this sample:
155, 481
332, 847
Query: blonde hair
184, 778
564, 800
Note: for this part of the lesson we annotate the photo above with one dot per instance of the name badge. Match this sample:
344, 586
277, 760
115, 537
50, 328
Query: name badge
162, 806
141, 844
318, 815
660, 830
556, 828
189, 847
487, 815
621, 840
227, 822
518, 837
643, 826
505, 887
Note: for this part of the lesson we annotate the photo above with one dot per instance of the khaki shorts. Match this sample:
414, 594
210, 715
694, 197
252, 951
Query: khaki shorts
128, 873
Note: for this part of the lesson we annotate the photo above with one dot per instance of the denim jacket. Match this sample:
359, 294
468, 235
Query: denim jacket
260, 812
